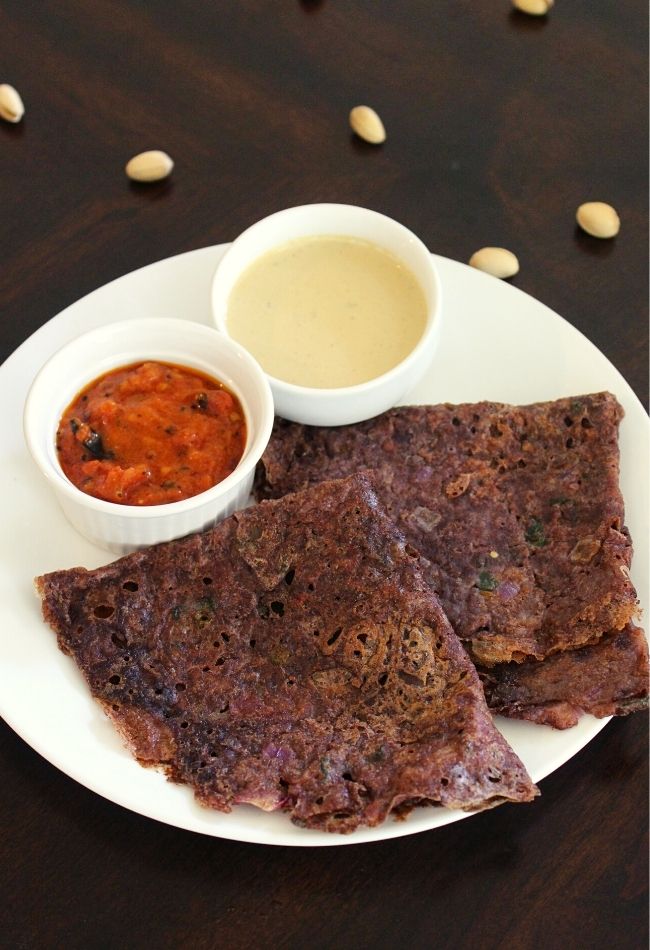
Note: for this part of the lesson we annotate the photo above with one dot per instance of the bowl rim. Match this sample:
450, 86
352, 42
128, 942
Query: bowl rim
36, 442
339, 392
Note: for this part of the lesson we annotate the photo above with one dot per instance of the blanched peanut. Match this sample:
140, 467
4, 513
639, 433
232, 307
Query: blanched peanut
533, 7
149, 166
11, 105
598, 219
496, 261
367, 125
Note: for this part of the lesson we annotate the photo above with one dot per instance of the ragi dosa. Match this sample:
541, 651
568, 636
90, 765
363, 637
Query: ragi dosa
518, 513
293, 657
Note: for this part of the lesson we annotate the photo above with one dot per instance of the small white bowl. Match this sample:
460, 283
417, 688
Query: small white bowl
123, 528
351, 403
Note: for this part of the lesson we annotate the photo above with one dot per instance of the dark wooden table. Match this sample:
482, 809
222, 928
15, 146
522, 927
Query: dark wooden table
499, 126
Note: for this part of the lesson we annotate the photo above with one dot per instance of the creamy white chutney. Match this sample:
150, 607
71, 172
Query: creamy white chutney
327, 311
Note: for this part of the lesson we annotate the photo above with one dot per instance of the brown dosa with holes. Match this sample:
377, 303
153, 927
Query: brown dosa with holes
293, 657
518, 513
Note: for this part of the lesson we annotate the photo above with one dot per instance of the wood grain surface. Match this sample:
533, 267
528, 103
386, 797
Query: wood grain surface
499, 125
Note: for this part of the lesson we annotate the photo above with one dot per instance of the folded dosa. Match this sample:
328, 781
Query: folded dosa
516, 509
293, 657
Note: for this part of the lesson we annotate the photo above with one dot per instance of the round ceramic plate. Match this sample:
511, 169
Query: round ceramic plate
497, 344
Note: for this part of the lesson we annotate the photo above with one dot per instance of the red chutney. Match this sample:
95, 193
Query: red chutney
151, 433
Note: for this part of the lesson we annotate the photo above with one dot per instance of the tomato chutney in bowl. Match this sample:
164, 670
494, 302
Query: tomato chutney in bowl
148, 429
151, 433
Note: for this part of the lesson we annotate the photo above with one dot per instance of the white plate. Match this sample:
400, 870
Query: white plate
497, 344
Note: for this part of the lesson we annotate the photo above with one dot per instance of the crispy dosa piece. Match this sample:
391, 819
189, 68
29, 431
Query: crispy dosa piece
518, 513
292, 657
517, 510
608, 678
